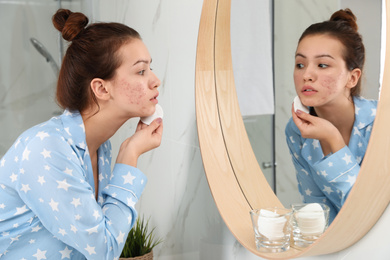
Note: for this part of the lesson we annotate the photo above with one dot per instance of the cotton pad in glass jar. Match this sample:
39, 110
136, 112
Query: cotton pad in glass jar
298, 105
157, 114
311, 219
271, 224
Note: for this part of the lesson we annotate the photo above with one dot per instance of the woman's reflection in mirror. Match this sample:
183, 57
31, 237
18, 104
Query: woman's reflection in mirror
328, 144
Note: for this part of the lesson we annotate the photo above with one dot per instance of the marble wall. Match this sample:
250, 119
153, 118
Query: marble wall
27, 80
177, 197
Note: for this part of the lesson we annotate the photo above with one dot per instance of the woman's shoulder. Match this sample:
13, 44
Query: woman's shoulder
66, 130
33, 139
365, 113
67, 125
46, 130
365, 109
365, 103
51, 127
291, 128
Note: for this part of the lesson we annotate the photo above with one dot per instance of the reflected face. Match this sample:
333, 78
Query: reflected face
134, 86
321, 76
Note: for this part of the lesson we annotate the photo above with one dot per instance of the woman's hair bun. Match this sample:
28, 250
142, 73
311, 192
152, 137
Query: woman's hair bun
69, 23
346, 16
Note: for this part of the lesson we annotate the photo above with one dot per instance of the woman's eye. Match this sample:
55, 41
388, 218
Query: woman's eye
142, 72
299, 65
323, 65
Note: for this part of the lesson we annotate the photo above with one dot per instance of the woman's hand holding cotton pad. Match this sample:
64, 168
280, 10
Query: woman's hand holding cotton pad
157, 114
298, 105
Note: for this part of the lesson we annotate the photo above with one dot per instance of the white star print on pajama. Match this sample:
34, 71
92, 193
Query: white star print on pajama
328, 179
48, 208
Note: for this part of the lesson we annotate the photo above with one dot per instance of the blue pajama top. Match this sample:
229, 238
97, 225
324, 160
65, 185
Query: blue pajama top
328, 179
48, 208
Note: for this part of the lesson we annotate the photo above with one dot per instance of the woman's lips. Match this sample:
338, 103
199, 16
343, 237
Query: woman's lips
154, 99
308, 91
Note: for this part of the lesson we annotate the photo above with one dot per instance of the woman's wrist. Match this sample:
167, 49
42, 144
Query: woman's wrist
127, 158
336, 142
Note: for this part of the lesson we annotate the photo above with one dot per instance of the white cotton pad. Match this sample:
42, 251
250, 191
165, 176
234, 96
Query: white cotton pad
311, 219
158, 113
271, 225
298, 105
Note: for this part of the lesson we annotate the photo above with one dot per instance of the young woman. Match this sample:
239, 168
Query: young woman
58, 196
328, 144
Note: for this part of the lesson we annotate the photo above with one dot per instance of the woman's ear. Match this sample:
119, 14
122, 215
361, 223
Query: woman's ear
354, 79
99, 88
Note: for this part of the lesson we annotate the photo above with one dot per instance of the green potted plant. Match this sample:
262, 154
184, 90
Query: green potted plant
140, 241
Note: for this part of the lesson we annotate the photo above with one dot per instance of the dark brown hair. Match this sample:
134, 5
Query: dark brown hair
91, 54
342, 26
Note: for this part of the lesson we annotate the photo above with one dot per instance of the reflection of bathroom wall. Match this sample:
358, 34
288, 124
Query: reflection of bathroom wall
27, 81
259, 130
369, 20
251, 44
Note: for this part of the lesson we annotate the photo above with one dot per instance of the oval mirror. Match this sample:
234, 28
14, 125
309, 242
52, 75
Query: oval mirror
234, 176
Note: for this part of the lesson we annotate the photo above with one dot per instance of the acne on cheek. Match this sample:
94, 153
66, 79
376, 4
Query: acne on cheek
329, 83
134, 94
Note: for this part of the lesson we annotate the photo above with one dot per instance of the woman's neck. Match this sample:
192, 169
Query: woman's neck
100, 125
342, 116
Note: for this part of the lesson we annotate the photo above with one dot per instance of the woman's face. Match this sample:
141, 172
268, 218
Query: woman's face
321, 77
134, 86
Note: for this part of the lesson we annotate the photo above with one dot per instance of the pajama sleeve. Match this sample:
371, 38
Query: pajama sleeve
53, 185
336, 174
310, 191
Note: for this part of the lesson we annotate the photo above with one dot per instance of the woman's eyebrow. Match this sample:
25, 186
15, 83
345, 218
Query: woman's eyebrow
318, 56
324, 55
143, 61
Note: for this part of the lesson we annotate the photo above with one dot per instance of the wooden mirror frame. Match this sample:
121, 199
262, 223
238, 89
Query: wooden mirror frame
236, 181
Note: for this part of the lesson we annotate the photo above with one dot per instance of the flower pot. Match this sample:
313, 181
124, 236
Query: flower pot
148, 256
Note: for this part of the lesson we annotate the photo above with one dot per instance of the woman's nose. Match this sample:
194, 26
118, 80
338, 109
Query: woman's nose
308, 75
155, 81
